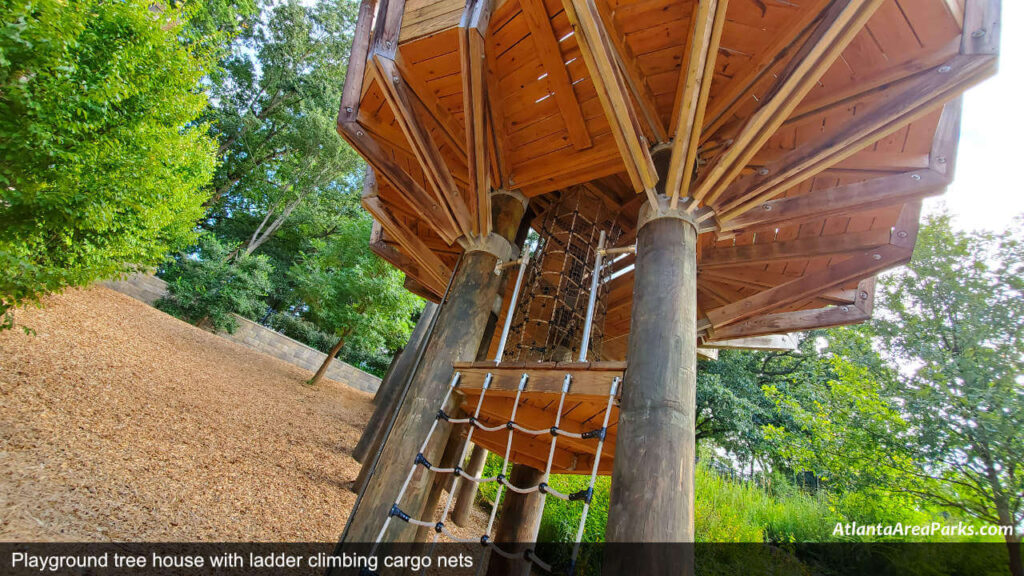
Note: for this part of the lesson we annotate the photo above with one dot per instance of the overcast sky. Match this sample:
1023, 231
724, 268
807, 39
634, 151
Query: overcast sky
988, 191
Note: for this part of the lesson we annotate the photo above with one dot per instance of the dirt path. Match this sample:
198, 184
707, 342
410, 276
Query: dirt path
120, 422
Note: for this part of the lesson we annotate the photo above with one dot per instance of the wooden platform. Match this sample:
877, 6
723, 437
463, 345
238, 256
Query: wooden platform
805, 133
583, 410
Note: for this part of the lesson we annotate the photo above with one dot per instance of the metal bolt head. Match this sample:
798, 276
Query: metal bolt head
388, 44
763, 171
944, 69
767, 207
978, 33
359, 132
348, 109
900, 234
844, 308
876, 256
915, 176
941, 159
863, 295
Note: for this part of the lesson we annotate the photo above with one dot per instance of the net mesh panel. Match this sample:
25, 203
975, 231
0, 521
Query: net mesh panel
549, 318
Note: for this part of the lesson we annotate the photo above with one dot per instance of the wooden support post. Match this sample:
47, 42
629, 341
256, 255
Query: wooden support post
653, 474
459, 328
389, 392
466, 495
518, 522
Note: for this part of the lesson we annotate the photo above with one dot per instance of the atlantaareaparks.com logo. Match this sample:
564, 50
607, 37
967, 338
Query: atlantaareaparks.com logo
934, 529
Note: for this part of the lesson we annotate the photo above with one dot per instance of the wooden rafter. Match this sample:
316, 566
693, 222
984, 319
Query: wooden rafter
897, 250
450, 128
692, 95
903, 102
381, 247
840, 22
472, 30
800, 320
602, 64
395, 175
846, 199
635, 80
434, 271
557, 75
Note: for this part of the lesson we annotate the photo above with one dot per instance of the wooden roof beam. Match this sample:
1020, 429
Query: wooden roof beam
839, 24
602, 63
407, 109
356, 72
387, 169
472, 53
793, 249
692, 95
901, 104
840, 200
408, 266
434, 271
896, 251
800, 320
557, 75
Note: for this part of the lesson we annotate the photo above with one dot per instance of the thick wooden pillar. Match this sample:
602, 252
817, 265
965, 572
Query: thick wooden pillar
461, 322
653, 476
518, 522
391, 390
466, 495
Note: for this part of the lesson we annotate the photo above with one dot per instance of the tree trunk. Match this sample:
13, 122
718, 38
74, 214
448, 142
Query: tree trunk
327, 362
1013, 547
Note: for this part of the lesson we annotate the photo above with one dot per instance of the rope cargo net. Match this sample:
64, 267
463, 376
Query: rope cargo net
513, 427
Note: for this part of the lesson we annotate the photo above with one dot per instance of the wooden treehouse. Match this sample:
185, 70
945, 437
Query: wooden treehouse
698, 174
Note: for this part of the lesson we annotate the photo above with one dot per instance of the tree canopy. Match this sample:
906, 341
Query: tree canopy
104, 161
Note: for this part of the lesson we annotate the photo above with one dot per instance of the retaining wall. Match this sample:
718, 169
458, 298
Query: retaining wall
148, 288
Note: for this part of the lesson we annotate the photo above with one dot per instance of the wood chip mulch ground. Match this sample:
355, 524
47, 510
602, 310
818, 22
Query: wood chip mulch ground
119, 422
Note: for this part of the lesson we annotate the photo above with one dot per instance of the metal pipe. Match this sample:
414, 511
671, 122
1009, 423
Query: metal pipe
595, 280
512, 307
621, 250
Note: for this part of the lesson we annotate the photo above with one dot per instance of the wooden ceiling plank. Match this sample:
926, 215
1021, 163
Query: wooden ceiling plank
602, 64
909, 100
786, 322
406, 105
856, 197
839, 24
554, 65
792, 249
450, 127
692, 95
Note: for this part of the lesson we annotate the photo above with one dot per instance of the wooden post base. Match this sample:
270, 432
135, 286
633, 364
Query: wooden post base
518, 522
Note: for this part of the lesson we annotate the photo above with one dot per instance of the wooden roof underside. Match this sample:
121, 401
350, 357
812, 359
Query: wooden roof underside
809, 129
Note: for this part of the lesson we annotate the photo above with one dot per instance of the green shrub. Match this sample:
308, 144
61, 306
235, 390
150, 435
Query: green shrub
207, 286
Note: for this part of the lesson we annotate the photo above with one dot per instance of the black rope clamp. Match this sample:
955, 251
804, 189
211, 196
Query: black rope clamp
510, 425
542, 488
500, 478
421, 459
457, 471
584, 495
442, 415
472, 419
554, 430
396, 511
485, 540
439, 527
528, 555
597, 433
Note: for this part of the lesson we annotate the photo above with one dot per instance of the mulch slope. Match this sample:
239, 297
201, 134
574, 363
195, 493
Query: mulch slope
118, 422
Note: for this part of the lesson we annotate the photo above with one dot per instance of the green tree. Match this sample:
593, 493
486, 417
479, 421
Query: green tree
956, 316
103, 165
353, 294
205, 286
